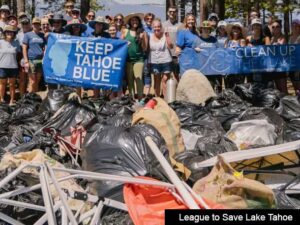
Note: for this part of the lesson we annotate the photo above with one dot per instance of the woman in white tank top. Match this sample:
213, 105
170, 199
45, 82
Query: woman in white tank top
160, 58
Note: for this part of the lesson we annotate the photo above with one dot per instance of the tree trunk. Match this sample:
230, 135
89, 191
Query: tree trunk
32, 8
286, 19
203, 10
85, 8
194, 7
219, 8
20, 6
182, 10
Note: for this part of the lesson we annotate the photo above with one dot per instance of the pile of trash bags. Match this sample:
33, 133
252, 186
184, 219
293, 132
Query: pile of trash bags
108, 137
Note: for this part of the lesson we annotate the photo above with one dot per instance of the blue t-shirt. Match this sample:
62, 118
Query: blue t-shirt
148, 30
186, 39
36, 44
88, 32
210, 42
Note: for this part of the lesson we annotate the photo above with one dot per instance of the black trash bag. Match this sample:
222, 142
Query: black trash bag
55, 99
196, 119
245, 91
289, 107
258, 95
124, 152
110, 108
24, 111
70, 115
256, 113
211, 146
122, 118
226, 107
4, 120
95, 103
268, 98
288, 201
5, 107
291, 131
190, 160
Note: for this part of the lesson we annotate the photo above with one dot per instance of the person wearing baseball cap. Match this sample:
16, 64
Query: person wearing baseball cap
214, 19
33, 51
25, 27
256, 38
221, 33
10, 48
76, 12
205, 41
4, 13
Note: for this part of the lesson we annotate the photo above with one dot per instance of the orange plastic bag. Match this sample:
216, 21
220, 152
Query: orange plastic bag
146, 204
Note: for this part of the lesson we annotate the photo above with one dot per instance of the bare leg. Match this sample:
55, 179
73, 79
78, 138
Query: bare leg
12, 89
165, 78
157, 81
22, 82
32, 82
2, 89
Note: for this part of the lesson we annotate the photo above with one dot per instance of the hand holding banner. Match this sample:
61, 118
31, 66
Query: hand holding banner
268, 58
85, 62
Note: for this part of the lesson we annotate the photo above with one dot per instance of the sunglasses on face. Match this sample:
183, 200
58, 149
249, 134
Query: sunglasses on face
91, 16
75, 12
275, 27
45, 24
118, 19
150, 18
70, 7
172, 11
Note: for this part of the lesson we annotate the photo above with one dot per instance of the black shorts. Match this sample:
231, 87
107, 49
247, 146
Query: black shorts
8, 73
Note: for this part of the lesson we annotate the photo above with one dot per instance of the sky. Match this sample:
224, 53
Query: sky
113, 7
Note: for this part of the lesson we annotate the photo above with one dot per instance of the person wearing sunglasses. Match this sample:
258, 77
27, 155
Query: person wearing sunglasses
278, 38
119, 21
171, 26
88, 18
69, 6
57, 23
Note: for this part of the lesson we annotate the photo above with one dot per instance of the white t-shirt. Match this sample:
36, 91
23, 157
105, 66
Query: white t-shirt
8, 54
159, 52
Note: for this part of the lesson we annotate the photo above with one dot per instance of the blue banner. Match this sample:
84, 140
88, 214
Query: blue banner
85, 62
222, 61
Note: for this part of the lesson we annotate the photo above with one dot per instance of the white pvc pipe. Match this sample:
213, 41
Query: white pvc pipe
186, 196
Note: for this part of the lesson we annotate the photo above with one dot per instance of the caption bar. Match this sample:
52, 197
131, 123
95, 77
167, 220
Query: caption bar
232, 217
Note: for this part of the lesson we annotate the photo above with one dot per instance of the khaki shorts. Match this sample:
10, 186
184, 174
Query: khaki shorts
35, 66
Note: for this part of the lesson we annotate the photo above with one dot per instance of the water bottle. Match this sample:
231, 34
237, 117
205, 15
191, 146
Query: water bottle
171, 90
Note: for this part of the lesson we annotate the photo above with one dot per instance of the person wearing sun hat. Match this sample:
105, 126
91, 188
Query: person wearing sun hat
137, 40
57, 23
213, 18
9, 49
236, 38
33, 51
99, 25
75, 27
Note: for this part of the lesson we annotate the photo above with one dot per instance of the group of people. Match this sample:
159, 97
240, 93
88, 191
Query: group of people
153, 47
